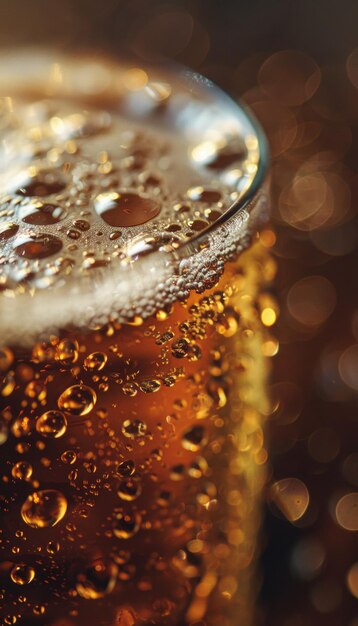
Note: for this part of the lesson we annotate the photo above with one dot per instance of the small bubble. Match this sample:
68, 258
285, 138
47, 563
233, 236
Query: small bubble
95, 361
149, 386
52, 547
22, 470
69, 457
67, 351
52, 424
126, 468
97, 580
126, 525
39, 246
77, 400
129, 489
193, 439
122, 209
134, 428
44, 509
22, 574
6, 359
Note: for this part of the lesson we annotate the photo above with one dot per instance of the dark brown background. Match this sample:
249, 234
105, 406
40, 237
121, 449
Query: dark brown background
314, 142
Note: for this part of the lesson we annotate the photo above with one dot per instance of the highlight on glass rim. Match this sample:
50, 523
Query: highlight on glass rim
135, 313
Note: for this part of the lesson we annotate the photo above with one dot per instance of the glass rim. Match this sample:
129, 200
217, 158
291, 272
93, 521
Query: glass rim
195, 84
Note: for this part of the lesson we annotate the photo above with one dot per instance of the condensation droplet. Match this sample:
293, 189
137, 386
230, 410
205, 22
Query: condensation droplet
95, 361
123, 209
22, 574
39, 246
22, 470
193, 439
97, 579
77, 400
134, 428
126, 525
44, 508
52, 424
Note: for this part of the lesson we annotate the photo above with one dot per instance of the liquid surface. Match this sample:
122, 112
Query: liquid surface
92, 182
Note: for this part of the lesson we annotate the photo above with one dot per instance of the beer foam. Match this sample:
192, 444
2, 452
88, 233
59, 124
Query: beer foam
121, 190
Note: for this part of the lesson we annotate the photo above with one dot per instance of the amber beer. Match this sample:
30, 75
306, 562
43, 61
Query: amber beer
133, 347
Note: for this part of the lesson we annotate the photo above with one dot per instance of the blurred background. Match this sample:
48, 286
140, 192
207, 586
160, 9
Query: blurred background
295, 62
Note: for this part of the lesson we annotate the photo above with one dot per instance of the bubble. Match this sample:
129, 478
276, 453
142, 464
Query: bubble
311, 300
347, 511
44, 183
350, 468
52, 424
291, 497
41, 214
37, 246
77, 400
97, 580
22, 470
204, 195
134, 429
123, 209
150, 386
53, 547
95, 361
348, 366
8, 230
126, 525
43, 509
144, 244
67, 351
193, 439
180, 348
352, 580
7, 384
129, 489
126, 468
22, 574
69, 457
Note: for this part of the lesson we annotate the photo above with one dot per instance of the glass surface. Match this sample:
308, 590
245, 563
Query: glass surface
133, 315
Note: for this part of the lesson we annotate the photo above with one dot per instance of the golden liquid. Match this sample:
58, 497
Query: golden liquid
132, 465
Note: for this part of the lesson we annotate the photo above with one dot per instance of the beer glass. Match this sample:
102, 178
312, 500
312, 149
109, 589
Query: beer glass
134, 320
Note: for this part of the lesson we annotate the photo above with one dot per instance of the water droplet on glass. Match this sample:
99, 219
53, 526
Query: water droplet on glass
126, 525
122, 209
7, 230
129, 489
77, 400
39, 214
193, 438
95, 361
39, 246
44, 508
43, 184
97, 579
134, 428
22, 470
347, 511
52, 424
22, 574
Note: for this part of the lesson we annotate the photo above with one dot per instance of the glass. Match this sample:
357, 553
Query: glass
134, 315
